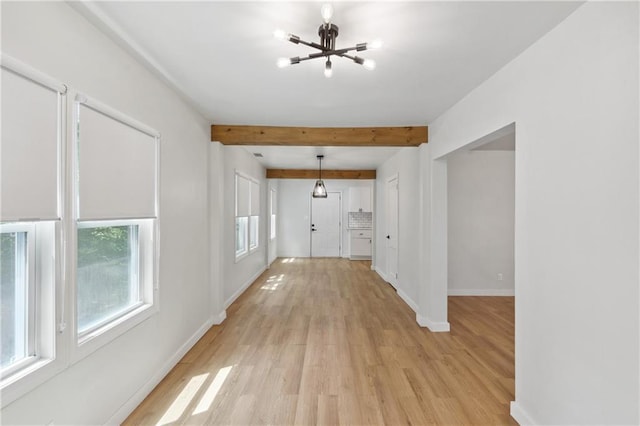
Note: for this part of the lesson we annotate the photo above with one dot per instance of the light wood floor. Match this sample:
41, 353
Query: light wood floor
326, 341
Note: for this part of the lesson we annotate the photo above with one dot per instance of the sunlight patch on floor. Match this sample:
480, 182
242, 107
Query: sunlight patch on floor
185, 397
273, 282
289, 260
212, 391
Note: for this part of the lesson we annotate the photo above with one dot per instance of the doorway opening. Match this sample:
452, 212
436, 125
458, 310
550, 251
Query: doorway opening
477, 203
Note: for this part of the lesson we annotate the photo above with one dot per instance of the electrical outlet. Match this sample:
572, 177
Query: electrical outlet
500, 277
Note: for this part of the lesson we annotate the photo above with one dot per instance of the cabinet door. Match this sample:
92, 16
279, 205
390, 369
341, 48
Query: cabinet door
359, 199
354, 199
361, 247
365, 200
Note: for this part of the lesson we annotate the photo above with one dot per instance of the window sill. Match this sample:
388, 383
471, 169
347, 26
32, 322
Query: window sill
94, 340
28, 378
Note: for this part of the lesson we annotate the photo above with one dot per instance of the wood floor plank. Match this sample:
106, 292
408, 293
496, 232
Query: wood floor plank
327, 341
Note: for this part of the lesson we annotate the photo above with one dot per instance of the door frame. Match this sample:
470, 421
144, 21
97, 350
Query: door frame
340, 236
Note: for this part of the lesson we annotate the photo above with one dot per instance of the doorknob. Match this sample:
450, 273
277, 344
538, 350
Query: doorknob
388, 237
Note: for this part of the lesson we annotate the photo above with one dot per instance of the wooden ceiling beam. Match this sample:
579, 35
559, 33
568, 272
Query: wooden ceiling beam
326, 174
319, 136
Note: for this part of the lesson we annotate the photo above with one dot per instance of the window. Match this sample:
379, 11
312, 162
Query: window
242, 227
33, 111
108, 278
253, 232
247, 215
116, 210
273, 207
17, 286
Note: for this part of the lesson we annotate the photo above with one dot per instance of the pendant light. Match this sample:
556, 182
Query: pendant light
319, 191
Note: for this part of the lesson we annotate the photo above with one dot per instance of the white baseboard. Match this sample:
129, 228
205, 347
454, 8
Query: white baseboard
520, 415
481, 292
373, 267
434, 326
219, 319
245, 286
382, 275
413, 305
127, 408
359, 257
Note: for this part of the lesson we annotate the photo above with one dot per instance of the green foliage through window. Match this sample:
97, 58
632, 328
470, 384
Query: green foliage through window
107, 272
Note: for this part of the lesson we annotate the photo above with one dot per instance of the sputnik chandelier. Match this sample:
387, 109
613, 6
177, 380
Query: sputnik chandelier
328, 33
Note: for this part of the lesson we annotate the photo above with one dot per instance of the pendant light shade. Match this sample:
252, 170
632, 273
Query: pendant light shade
319, 191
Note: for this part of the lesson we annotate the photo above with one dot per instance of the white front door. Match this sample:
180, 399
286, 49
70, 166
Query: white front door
325, 225
392, 231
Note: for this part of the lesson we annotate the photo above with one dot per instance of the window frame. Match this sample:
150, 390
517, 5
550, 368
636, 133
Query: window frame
272, 215
244, 224
85, 343
239, 255
44, 359
31, 300
254, 230
51, 342
141, 275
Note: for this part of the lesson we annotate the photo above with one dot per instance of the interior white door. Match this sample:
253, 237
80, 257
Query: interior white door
392, 231
325, 225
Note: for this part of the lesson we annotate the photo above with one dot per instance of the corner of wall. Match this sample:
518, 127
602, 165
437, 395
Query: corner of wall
520, 416
433, 326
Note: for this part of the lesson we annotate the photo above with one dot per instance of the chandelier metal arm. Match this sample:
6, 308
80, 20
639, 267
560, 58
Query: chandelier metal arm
298, 40
336, 52
357, 59
327, 52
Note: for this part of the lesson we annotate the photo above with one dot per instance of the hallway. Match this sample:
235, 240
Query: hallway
327, 341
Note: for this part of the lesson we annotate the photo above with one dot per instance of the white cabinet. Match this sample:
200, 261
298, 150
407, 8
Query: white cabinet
360, 199
360, 243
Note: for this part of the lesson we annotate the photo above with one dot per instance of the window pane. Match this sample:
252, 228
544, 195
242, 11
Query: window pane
241, 235
253, 232
107, 275
13, 291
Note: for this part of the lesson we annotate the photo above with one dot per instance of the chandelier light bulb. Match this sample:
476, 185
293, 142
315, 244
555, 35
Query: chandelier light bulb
328, 71
283, 62
369, 64
327, 12
279, 34
375, 44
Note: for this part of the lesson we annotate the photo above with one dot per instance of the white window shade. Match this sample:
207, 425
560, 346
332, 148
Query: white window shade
255, 199
243, 197
117, 165
29, 149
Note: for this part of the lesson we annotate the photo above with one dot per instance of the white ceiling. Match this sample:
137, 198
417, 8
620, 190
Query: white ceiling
221, 56
335, 158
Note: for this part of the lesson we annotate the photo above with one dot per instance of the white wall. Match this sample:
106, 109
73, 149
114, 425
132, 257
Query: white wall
294, 207
405, 164
481, 213
574, 98
54, 39
239, 275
